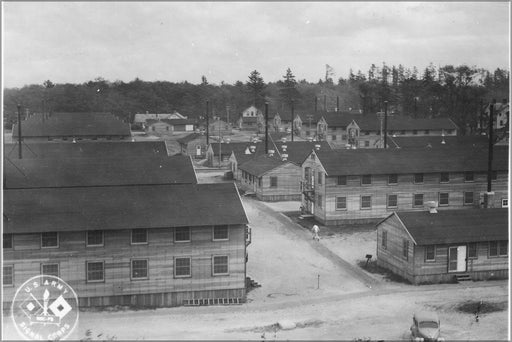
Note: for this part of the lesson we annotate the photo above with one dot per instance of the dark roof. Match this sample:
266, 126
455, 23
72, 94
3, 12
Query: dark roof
72, 125
83, 172
123, 207
456, 226
87, 149
261, 164
249, 119
188, 138
411, 160
178, 122
298, 151
227, 148
437, 141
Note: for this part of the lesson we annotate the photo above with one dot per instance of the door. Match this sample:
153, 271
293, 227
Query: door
457, 259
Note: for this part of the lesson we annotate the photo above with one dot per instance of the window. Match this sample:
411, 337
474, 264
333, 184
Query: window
220, 232
430, 253
468, 198
320, 174
50, 240
50, 269
319, 201
139, 269
402, 132
414, 132
472, 251
182, 234
427, 132
8, 278
504, 202
94, 238
418, 178
469, 176
259, 182
334, 137
342, 180
139, 236
182, 267
392, 201
273, 181
220, 265
393, 179
95, 271
493, 248
366, 179
384, 239
405, 249
444, 198
444, 177
7, 241
341, 203
366, 202
498, 248
418, 200
366, 143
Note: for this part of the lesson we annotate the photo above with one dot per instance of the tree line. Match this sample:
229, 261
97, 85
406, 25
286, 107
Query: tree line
457, 92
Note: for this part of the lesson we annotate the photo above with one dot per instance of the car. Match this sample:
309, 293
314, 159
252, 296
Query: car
426, 327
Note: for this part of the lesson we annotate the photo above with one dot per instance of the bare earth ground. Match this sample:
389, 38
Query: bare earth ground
287, 262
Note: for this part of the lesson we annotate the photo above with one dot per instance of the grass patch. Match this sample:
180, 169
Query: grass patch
372, 267
481, 307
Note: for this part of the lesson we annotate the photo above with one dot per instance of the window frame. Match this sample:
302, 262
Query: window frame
387, 201
422, 178
214, 274
12, 276
87, 263
490, 248
384, 240
389, 179
132, 268
340, 178
57, 235
441, 177
405, 249
471, 179
139, 243
367, 177
494, 175
500, 248
336, 203
414, 200
8, 237
475, 245
50, 264
447, 199
95, 245
362, 200
434, 252
273, 181
319, 200
189, 275
320, 177
182, 241
504, 202
465, 202
218, 226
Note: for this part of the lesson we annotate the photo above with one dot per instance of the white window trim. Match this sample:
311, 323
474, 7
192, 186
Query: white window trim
11, 236
464, 198
444, 182
87, 271
8, 285
139, 243
504, 202
396, 183
213, 233
336, 203
131, 269
439, 200
49, 264
387, 201
58, 241
190, 267
361, 204
183, 241
102, 239
414, 205
426, 255
422, 178
213, 265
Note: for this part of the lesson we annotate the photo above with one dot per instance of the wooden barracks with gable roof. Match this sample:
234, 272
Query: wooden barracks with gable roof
344, 185
149, 236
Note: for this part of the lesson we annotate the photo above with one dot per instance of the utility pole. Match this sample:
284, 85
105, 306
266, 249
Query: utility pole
227, 113
490, 153
337, 103
266, 127
316, 104
19, 132
220, 146
481, 116
325, 103
293, 117
207, 124
385, 124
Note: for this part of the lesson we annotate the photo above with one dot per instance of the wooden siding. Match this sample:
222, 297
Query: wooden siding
72, 255
288, 183
392, 257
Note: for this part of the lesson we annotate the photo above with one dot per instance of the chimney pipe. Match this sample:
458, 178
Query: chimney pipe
490, 153
266, 127
385, 124
293, 117
284, 157
337, 103
19, 132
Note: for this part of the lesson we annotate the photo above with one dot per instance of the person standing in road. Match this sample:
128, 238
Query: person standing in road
315, 230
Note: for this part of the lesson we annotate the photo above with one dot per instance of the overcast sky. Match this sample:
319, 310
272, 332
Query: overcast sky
177, 41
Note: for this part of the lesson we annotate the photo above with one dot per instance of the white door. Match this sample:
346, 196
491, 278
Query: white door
457, 259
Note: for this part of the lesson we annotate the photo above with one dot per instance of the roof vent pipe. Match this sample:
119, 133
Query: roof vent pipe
317, 147
284, 156
431, 206
284, 147
271, 153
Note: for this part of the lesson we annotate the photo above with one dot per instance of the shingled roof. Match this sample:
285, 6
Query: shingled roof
72, 125
438, 141
129, 207
188, 138
456, 226
413, 160
87, 149
261, 164
86, 172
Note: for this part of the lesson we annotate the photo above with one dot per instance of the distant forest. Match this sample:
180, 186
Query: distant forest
457, 92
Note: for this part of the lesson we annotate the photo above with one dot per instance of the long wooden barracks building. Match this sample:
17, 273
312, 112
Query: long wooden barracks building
343, 185
148, 236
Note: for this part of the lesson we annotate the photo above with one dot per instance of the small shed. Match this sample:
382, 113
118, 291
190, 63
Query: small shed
442, 246
193, 145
